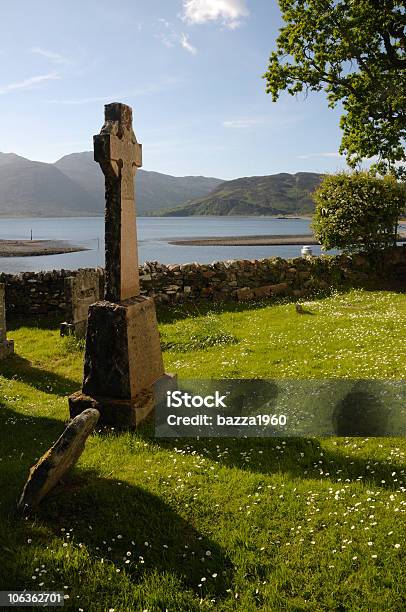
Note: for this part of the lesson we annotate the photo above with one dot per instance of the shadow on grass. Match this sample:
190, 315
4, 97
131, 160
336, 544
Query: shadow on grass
108, 517
125, 517
360, 413
178, 312
19, 368
23, 439
38, 322
300, 457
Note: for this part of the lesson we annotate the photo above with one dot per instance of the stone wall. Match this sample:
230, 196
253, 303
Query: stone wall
44, 293
41, 293
2, 314
6, 346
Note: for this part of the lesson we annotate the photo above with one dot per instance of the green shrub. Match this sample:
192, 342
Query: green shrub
358, 212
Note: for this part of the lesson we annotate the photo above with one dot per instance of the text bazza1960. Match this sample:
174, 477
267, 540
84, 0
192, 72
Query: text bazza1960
123, 370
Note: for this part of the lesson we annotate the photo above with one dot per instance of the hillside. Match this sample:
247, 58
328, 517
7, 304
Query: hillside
277, 194
154, 190
74, 186
29, 188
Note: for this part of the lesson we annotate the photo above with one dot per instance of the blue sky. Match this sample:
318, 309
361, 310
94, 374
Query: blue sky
191, 70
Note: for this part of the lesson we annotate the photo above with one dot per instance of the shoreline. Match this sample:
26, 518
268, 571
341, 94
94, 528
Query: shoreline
33, 248
289, 239
273, 240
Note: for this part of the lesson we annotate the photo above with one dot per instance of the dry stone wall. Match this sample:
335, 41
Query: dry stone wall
45, 293
2, 314
6, 346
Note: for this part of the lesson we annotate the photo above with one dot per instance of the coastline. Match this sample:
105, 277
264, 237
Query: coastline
274, 240
31, 248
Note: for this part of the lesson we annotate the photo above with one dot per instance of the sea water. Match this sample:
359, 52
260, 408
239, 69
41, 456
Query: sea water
154, 235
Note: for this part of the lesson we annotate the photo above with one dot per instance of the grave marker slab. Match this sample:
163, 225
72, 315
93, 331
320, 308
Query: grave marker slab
6, 346
81, 291
54, 464
123, 370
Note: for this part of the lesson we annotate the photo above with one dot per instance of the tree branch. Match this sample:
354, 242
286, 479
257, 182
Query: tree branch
391, 53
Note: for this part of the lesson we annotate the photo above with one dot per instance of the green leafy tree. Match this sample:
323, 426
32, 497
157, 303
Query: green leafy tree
358, 212
355, 50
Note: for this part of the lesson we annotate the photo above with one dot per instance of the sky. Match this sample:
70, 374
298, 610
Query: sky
191, 70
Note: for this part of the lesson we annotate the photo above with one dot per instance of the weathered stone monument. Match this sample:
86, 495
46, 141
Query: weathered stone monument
57, 461
123, 370
81, 291
6, 346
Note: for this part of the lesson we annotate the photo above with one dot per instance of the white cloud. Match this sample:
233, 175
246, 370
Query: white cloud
311, 155
29, 83
184, 41
55, 58
170, 37
229, 12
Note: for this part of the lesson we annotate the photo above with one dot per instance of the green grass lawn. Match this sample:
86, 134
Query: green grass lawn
222, 524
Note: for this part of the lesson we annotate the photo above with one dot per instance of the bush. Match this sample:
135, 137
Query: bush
358, 212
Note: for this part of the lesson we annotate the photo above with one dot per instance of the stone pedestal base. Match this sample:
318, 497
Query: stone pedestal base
123, 371
124, 414
123, 351
6, 348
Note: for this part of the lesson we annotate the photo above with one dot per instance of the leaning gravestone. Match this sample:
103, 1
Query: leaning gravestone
6, 346
123, 370
52, 466
81, 291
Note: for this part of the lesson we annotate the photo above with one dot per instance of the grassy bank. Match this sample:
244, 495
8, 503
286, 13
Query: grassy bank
147, 524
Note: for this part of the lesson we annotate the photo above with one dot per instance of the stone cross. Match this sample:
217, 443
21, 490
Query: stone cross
123, 375
119, 154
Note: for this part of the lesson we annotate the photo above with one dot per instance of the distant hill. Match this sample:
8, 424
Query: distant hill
277, 194
74, 186
29, 188
6, 158
154, 191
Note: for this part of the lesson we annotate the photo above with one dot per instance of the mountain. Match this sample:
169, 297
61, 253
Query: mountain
155, 191
7, 158
277, 194
29, 188
74, 186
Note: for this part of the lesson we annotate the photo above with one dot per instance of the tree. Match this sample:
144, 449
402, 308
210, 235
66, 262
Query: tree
358, 212
354, 50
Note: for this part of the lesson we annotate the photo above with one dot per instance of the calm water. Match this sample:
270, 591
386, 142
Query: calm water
153, 236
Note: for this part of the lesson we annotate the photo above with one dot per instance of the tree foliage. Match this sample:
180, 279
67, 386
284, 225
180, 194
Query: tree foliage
358, 212
355, 50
